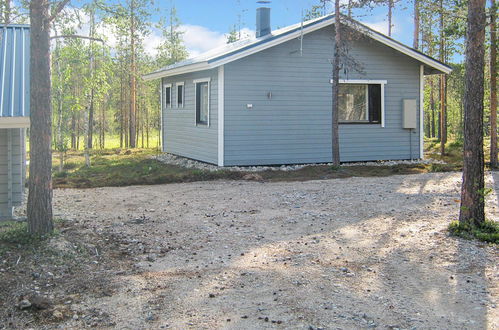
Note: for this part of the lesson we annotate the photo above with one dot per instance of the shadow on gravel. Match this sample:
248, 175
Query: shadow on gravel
351, 253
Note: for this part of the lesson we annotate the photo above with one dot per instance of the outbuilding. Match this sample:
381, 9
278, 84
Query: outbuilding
267, 100
14, 115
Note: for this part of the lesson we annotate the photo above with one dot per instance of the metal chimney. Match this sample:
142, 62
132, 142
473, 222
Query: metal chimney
262, 22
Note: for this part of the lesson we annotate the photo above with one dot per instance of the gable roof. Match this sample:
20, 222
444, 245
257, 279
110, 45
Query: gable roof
14, 70
234, 51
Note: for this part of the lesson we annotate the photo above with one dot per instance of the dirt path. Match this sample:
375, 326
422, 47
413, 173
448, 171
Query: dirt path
345, 253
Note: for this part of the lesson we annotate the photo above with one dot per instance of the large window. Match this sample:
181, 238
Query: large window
202, 102
180, 95
360, 103
167, 96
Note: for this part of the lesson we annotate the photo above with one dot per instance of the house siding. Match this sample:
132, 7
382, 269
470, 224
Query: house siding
17, 165
181, 135
294, 125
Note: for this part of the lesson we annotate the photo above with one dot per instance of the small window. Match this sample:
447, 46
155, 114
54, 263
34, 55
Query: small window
180, 95
202, 102
168, 96
360, 103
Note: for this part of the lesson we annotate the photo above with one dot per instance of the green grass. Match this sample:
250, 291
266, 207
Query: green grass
487, 232
453, 152
125, 168
118, 167
135, 167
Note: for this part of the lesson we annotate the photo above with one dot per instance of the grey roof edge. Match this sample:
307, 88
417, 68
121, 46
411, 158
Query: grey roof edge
24, 26
232, 52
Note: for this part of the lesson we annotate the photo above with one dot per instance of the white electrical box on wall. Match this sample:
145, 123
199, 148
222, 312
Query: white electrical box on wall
409, 114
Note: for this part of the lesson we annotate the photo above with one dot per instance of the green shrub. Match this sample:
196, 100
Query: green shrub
487, 232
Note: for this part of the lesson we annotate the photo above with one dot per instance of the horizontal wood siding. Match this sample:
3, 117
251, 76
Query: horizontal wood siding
17, 167
294, 125
181, 135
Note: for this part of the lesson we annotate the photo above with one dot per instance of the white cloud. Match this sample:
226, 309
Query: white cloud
199, 39
381, 26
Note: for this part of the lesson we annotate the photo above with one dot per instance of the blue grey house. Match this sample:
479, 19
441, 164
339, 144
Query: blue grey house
14, 115
267, 100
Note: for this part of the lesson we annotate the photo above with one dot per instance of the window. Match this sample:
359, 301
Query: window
168, 96
202, 101
180, 95
360, 103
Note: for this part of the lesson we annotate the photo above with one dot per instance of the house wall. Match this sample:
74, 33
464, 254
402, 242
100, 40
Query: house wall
181, 135
294, 126
17, 172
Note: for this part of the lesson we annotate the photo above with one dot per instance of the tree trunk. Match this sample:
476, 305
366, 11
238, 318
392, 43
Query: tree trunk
493, 85
432, 106
336, 85
73, 130
443, 116
390, 9
133, 79
415, 43
472, 192
39, 209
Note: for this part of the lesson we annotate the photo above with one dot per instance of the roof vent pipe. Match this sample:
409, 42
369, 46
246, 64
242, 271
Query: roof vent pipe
262, 22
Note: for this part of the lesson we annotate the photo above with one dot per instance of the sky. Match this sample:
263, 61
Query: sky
206, 22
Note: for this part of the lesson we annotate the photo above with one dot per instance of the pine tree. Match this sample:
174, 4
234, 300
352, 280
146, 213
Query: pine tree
472, 192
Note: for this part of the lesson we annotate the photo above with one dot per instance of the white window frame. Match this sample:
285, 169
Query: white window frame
370, 82
195, 82
181, 83
165, 86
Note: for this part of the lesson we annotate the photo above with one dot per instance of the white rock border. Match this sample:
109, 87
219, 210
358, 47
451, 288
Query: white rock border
171, 159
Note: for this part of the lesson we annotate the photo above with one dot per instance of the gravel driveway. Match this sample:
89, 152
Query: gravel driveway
343, 253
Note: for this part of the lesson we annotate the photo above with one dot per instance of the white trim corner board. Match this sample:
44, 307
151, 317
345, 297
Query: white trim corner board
221, 115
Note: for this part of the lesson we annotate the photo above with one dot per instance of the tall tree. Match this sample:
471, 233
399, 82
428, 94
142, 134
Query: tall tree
415, 42
443, 92
472, 210
39, 208
7, 11
133, 75
493, 85
336, 84
391, 5
172, 49
232, 36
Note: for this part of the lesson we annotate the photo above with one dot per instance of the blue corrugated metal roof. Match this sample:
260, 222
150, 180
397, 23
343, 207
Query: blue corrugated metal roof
14, 70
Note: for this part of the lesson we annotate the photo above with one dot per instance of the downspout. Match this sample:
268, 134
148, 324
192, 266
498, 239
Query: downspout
421, 111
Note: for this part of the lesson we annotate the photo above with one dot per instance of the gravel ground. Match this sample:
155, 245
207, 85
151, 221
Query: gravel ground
191, 163
352, 253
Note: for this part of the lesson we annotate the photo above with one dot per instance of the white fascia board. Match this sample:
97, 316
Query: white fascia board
279, 40
401, 48
266, 45
14, 122
173, 72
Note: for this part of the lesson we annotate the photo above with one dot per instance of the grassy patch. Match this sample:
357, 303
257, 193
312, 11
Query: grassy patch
15, 235
117, 167
135, 167
487, 232
453, 152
